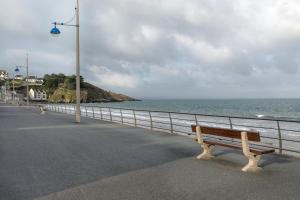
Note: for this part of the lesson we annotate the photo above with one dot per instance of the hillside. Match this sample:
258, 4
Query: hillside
95, 94
61, 89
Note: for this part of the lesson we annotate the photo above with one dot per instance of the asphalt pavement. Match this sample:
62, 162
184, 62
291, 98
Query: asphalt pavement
49, 157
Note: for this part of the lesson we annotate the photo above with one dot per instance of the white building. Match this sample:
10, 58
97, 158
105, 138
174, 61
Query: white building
31, 79
39, 81
3, 75
37, 95
19, 77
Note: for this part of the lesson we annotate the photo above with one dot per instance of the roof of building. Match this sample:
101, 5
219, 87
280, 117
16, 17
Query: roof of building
38, 91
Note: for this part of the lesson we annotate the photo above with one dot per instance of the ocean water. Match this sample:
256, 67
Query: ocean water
257, 109
288, 109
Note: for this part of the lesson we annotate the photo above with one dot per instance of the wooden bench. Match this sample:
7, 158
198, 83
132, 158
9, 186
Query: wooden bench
220, 137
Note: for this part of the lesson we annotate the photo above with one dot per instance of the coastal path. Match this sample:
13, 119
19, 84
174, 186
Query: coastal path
49, 157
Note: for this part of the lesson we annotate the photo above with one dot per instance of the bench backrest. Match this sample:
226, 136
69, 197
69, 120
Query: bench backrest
230, 133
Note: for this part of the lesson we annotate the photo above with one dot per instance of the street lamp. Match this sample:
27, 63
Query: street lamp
17, 70
26, 79
55, 32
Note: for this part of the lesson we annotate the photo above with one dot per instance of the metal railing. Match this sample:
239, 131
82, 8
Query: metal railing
283, 135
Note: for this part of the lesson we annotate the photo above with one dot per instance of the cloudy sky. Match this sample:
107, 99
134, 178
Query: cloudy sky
162, 48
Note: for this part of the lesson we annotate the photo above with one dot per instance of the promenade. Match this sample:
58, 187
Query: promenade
49, 157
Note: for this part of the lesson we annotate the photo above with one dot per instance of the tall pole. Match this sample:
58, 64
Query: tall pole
13, 95
27, 87
5, 93
77, 65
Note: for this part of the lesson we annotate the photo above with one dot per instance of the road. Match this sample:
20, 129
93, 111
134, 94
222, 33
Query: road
49, 157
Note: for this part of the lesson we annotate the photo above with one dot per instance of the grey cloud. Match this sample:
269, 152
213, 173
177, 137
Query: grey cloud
163, 48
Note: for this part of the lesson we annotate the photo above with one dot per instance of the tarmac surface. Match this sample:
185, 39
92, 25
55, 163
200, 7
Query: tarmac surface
49, 157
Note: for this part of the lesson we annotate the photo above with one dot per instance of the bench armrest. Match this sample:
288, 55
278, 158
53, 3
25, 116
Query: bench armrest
245, 144
199, 135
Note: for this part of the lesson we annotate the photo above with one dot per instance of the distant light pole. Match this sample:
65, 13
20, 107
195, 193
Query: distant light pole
27, 90
55, 32
17, 70
13, 83
26, 79
5, 92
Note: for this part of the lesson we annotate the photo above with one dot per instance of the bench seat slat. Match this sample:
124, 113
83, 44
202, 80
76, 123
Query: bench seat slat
255, 150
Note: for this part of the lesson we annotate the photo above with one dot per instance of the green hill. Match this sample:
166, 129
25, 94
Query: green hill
61, 89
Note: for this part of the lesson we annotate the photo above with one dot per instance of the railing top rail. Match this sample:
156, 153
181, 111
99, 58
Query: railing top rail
199, 114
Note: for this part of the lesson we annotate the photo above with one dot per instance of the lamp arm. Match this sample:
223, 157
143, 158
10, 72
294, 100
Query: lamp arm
67, 22
64, 24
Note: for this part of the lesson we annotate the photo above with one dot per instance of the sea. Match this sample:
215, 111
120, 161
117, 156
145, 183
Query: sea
285, 109
277, 120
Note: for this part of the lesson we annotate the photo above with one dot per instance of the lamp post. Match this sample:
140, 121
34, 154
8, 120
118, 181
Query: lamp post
5, 93
13, 94
16, 71
27, 87
55, 32
26, 79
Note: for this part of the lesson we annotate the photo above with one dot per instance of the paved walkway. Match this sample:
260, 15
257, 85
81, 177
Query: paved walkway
49, 157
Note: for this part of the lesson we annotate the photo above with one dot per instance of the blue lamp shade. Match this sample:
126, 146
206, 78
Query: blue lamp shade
55, 31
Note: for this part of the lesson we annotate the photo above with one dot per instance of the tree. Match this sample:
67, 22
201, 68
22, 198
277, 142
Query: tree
70, 82
54, 81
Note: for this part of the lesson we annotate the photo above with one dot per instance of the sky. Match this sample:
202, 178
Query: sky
162, 48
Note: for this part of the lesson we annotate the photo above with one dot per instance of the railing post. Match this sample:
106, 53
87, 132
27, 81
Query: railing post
86, 114
279, 138
110, 114
134, 117
230, 122
66, 109
196, 120
171, 122
74, 109
93, 112
121, 116
101, 113
151, 123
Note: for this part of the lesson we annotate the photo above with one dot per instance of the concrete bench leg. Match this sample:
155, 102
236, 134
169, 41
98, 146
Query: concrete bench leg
252, 164
207, 152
